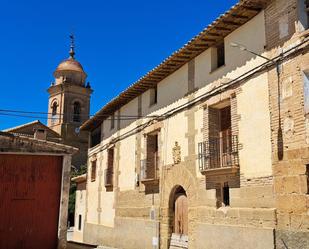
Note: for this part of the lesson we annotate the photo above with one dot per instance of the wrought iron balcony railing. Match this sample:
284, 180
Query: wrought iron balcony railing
108, 177
218, 152
150, 169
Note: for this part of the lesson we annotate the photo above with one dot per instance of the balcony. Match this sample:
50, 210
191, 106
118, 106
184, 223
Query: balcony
108, 178
150, 170
219, 155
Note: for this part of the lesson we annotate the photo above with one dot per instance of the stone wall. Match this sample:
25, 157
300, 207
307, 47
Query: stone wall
290, 151
268, 198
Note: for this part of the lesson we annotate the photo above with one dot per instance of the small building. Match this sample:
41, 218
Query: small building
34, 189
80, 207
35, 129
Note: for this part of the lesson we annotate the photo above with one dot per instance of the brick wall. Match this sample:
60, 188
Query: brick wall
280, 18
290, 152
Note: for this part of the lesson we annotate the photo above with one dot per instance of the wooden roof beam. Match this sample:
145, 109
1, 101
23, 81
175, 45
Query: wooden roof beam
223, 29
171, 64
238, 16
251, 8
208, 40
214, 34
146, 84
178, 60
154, 77
195, 49
201, 45
185, 57
160, 73
232, 23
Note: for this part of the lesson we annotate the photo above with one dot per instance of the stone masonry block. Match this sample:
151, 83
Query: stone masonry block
292, 203
287, 185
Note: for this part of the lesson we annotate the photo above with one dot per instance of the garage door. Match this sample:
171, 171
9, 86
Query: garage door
29, 201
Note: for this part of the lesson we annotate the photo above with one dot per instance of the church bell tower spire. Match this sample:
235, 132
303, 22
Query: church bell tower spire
69, 104
72, 46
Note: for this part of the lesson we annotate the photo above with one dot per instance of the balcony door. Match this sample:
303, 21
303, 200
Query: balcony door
225, 136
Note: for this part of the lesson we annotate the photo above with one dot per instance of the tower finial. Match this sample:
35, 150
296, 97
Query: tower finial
72, 52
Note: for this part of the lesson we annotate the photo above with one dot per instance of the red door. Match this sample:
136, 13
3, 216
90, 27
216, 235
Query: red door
29, 201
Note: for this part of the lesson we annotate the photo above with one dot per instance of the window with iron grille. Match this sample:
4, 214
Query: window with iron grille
220, 149
149, 166
93, 170
109, 171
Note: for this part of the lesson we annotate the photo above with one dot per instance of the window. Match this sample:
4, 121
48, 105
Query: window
112, 121
222, 194
93, 170
54, 113
220, 148
150, 166
95, 136
54, 109
109, 171
79, 222
76, 112
220, 139
153, 95
217, 56
220, 55
226, 194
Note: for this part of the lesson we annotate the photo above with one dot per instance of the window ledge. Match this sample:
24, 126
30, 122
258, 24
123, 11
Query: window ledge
153, 104
191, 91
221, 171
217, 69
150, 181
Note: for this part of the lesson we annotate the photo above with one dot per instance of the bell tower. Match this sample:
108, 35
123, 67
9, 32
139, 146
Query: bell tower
69, 105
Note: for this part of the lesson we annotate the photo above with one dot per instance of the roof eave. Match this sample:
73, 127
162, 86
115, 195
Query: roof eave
214, 33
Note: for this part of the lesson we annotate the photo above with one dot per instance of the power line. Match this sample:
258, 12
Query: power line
53, 118
214, 91
63, 114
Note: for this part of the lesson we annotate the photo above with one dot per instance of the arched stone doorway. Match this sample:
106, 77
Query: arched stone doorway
178, 222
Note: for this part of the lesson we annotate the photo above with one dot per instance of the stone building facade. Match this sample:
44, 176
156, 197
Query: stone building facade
210, 148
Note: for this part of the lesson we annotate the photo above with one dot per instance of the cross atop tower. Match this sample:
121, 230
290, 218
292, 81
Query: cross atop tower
72, 46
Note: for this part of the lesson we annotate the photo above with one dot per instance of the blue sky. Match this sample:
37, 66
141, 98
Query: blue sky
117, 42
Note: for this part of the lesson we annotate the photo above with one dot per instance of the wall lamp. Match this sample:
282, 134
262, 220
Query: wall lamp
277, 63
244, 48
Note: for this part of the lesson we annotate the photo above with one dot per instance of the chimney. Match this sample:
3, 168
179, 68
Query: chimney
40, 134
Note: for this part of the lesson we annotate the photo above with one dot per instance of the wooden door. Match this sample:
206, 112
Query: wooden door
30, 200
181, 215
